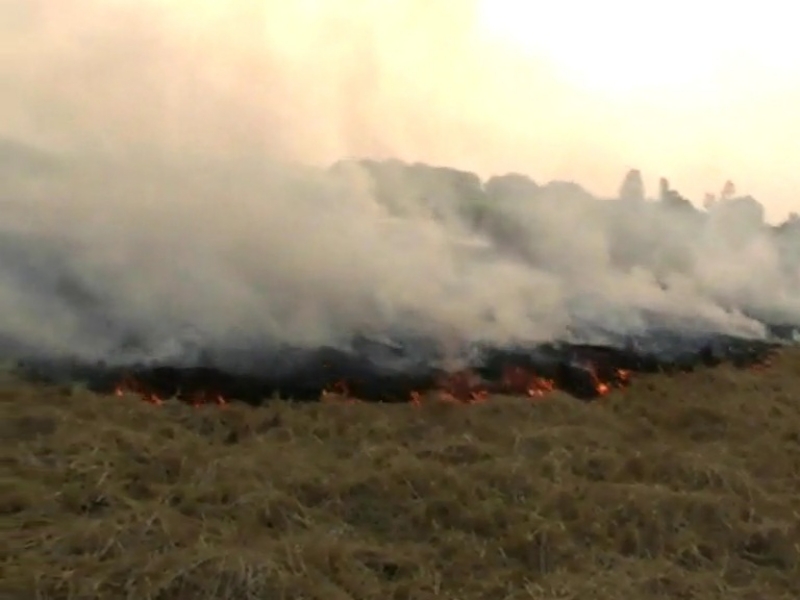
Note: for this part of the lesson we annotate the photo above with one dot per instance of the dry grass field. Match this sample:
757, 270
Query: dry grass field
679, 487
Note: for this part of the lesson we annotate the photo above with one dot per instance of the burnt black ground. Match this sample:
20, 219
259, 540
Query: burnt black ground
680, 486
577, 369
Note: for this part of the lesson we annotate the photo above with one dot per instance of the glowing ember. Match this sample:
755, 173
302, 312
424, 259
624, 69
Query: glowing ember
585, 372
519, 381
460, 387
132, 386
201, 398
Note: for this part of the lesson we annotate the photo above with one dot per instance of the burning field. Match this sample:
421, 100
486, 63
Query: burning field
235, 367
382, 281
583, 371
677, 485
383, 380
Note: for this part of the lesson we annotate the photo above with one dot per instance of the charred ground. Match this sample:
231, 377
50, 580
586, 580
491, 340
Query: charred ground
584, 371
678, 486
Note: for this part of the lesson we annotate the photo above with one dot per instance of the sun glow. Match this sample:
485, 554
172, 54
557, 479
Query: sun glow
620, 47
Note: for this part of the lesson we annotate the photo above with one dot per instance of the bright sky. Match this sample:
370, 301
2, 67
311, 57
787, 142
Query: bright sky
704, 88
620, 47
698, 91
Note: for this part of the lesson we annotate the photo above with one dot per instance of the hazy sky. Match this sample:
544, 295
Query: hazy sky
697, 91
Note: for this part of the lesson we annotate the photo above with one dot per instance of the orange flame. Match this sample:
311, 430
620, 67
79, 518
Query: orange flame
201, 398
460, 387
516, 380
129, 385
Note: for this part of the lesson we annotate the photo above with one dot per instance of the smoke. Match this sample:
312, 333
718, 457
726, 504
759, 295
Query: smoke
307, 80
155, 198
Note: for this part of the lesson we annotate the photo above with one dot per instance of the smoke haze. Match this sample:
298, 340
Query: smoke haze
155, 198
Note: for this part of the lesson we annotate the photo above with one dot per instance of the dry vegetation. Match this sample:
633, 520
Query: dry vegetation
679, 487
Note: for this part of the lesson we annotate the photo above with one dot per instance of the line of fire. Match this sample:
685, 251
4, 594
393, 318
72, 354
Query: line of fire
585, 372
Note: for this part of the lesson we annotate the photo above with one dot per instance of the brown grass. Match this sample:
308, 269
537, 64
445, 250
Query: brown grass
678, 487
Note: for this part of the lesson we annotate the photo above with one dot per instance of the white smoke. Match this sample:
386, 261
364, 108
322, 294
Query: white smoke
159, 201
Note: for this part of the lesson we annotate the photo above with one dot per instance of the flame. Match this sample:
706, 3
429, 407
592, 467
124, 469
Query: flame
202, 398
459, 387
516, 380
130, 385
463, 386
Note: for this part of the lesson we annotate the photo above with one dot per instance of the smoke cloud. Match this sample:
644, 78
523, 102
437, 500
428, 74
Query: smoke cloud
162, 190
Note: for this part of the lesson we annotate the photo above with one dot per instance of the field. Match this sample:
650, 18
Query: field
678, 487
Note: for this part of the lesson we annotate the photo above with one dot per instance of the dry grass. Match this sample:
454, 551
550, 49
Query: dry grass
679, 487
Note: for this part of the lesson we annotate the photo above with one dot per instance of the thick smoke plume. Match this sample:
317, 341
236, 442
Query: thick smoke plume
146, 220
164, 256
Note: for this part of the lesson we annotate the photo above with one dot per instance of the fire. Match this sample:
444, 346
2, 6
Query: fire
467, 387
623, 375
201, 398
459, 387
462, 387
129, 385
132, 386
516, 380
601, 387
